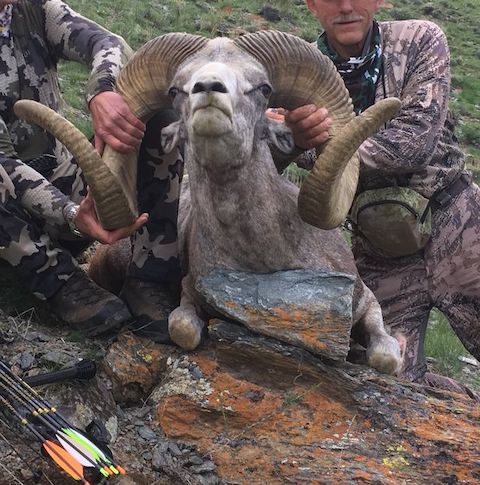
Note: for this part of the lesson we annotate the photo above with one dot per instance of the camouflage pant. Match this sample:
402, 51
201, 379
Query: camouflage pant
43, 254
445, 275
155, 246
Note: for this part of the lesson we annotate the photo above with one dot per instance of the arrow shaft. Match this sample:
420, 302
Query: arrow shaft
40, 409
59, 459
25, 391
45, 419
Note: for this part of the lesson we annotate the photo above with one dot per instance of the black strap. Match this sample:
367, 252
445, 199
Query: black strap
441, 198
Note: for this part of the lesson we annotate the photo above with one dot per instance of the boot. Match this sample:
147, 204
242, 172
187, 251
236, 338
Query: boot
150, 303
87, 307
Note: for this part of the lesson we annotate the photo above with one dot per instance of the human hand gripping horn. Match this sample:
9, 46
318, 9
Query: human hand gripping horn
111, 187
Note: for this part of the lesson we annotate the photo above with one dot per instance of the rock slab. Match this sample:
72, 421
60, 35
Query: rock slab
266, 412
306, 308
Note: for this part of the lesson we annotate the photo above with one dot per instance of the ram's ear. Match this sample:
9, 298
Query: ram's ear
172, 135
279, 135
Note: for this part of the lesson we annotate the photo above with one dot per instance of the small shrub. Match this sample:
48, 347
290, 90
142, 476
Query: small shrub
295, 174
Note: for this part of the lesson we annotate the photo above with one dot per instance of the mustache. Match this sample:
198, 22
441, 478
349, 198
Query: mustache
340, 19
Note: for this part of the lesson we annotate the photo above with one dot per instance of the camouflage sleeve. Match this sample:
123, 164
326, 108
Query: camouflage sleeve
35, 193
74, 37
307, 159
303, 158
409, 140
6, 145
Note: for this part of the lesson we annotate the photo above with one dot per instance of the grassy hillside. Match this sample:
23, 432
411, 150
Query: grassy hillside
139, 21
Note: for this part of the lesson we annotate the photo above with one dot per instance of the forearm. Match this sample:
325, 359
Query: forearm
404, 147
77, 38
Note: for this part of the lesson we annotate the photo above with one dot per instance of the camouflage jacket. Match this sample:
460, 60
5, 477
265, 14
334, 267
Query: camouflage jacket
418, 147
41, 33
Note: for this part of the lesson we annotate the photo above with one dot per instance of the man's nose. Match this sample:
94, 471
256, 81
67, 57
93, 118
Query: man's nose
346, 6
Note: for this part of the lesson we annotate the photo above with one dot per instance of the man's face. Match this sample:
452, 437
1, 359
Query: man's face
346, 22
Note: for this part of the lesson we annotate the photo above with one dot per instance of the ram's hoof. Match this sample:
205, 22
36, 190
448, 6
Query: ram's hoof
384, 355
185, 330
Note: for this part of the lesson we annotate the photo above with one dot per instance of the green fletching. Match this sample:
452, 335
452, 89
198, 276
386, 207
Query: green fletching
86, 443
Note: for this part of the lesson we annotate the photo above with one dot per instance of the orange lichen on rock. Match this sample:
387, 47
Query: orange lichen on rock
301, 326
284, 417
277, 418
135, 366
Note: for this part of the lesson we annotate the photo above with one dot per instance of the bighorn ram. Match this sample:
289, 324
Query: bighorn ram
239, 213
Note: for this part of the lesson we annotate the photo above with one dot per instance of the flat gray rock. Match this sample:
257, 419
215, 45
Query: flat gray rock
307, 308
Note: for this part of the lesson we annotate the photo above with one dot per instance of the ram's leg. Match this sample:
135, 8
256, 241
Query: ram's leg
184, 325
384, 352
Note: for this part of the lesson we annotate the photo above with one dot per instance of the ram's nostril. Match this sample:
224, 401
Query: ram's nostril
219, 87
208, 86
198, 88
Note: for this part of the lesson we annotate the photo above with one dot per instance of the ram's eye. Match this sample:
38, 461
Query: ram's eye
172, 92
265, 89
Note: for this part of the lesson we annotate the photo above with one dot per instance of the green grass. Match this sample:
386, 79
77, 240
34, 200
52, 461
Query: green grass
139, 22
443, 346
295, 174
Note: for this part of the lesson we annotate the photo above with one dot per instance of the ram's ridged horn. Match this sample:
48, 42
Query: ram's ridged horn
143, 83
327, 193
145, 80
109, 198
301, 75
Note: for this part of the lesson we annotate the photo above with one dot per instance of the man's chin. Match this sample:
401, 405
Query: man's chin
350, 40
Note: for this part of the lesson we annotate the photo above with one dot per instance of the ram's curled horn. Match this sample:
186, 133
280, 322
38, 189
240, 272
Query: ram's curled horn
110, 199
301, 75
145, 80
327, 193
144, 83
